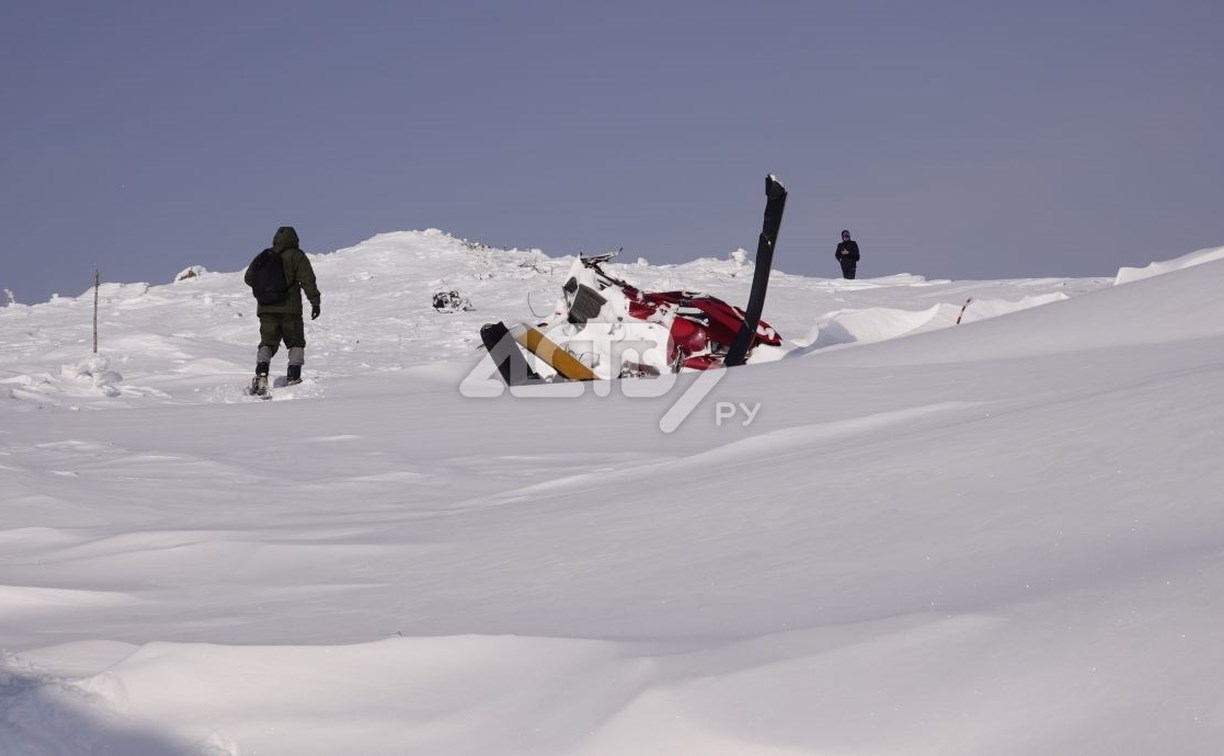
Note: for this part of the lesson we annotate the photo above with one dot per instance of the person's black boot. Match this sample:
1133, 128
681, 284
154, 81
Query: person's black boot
259, 385
294, 375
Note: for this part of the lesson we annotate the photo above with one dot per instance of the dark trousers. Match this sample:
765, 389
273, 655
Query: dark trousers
848, 268
273, 329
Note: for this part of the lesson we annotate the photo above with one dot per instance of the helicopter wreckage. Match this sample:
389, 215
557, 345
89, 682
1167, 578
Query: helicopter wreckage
606, 328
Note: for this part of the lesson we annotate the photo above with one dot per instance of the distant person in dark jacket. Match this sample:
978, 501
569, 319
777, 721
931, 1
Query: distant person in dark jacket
282, 321
848, 255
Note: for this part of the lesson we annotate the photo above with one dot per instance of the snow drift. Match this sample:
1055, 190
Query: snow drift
907, 537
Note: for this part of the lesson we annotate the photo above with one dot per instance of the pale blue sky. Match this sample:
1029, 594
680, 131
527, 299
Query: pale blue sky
955, 139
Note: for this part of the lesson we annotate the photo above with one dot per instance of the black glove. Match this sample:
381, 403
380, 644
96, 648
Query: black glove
314, 310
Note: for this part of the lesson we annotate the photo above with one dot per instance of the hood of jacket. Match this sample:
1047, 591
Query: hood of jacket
286, 238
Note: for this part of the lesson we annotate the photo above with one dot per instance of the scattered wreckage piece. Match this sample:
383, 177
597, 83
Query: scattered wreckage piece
451, 301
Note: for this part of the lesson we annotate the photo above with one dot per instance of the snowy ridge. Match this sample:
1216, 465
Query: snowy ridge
907, 537
378, 318
1126, 275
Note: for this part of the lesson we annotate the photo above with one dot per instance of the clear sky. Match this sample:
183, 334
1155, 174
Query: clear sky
955, 139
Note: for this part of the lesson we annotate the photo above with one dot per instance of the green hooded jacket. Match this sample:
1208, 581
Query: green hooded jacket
298, 274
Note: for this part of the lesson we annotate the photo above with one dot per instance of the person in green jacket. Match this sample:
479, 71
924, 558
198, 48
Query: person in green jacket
282, 321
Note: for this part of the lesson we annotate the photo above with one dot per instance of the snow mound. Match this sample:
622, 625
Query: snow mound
1128, 275
875, 324
187, 274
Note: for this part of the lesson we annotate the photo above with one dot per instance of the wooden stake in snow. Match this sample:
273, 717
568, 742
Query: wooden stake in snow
962, 312
96, 278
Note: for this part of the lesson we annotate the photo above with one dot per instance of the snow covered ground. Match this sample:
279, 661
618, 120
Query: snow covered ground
905, 537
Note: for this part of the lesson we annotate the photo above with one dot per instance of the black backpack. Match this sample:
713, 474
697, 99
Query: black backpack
268, 278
